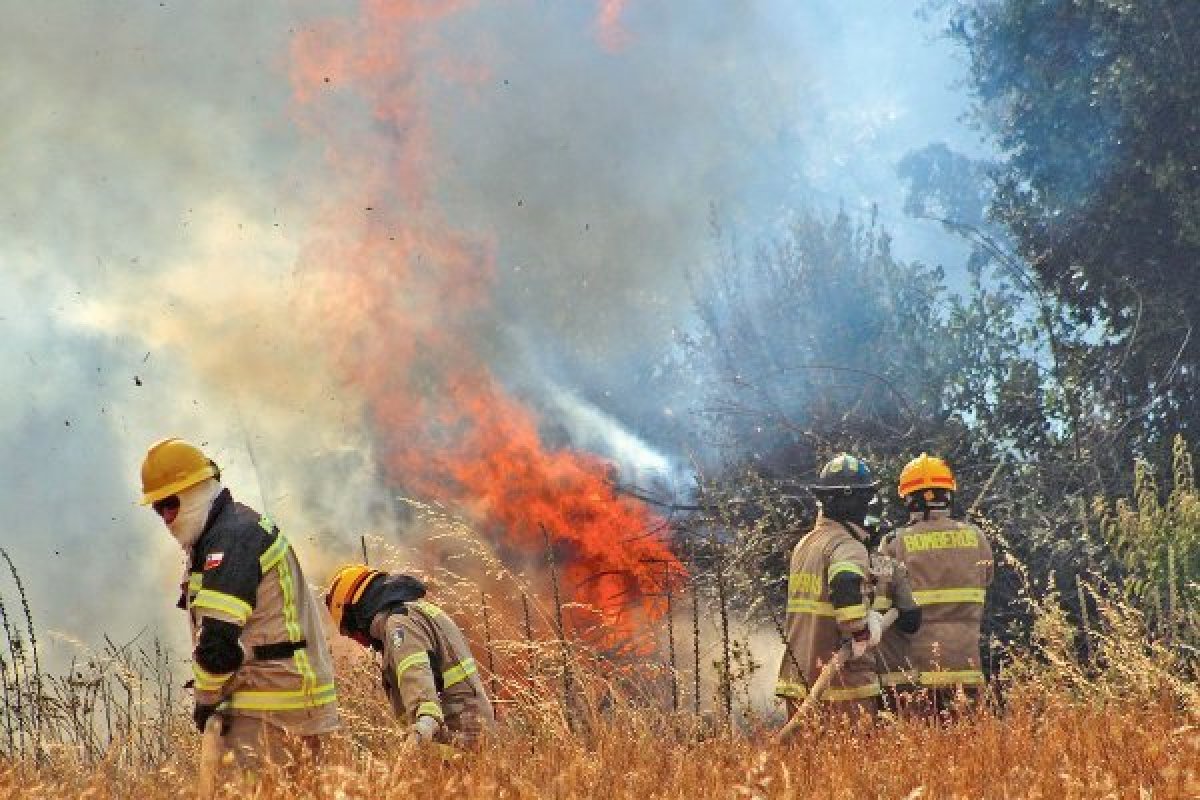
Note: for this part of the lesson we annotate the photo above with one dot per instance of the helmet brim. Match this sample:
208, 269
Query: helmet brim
178, 486
863, 487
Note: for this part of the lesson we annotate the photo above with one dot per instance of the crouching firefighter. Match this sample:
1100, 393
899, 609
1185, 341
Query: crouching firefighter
260, 661
429, 674
830, 596
950, 567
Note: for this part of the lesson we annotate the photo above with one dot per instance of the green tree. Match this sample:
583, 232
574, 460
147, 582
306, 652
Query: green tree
1096, 106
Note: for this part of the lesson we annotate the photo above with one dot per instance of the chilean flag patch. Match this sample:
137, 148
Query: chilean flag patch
213, 560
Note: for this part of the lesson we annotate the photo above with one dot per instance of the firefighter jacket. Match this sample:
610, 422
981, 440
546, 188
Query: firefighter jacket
428, 670
259, 645
949, 564
818, 622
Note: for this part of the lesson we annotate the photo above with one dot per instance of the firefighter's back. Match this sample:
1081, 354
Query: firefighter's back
462, 702
813, 630
949, 565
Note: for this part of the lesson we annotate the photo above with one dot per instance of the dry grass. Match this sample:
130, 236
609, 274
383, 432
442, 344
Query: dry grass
1117, 718
1054, 750
1067, 729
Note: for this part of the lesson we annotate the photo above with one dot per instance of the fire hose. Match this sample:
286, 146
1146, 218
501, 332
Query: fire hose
819, 686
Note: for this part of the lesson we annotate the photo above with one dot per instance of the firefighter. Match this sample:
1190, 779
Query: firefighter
829, 595
429, 674
260, 660
949, 564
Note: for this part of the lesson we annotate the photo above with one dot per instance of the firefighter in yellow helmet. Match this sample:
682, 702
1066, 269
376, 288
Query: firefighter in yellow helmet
949, 564
429, 674
260, 660
830, 596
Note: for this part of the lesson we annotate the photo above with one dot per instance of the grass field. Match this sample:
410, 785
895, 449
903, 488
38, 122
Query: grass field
1052, 749
1106, 710
1130, 729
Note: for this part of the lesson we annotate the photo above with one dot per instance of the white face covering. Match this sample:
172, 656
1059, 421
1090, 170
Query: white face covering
194, 504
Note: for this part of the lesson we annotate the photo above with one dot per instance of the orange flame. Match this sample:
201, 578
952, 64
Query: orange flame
399, 292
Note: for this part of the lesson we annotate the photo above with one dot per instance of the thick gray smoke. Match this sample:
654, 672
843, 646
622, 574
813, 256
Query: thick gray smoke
157, 189
148, 225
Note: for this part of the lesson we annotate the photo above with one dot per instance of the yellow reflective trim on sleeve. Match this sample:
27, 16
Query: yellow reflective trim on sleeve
796, 691
225, 603
207, 681
850, 613
430, 710
966, 677
408, 662
838, 567
266, 524
284, 700
882, 603
852, 693
803, 605
273, 554
930, 597
429, 608
459, 672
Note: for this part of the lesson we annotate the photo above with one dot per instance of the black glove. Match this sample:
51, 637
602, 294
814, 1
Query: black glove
202, 712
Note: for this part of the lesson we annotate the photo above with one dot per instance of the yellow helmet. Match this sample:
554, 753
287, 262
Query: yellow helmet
926, 472
171, 466
347, 588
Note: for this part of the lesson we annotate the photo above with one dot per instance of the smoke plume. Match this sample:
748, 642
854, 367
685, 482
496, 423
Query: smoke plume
360, 251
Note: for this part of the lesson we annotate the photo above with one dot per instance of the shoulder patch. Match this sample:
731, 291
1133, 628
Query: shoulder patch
398, 637
213, 560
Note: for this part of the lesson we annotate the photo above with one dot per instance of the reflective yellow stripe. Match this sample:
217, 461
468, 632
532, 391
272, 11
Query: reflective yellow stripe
939, 540
838, 567
853, 693
430, 710
804, 605
898, 678
930, 597
207, 681
291, 622
849, 613
226, 603
265, 523
429, 608
801, 583
196, 581
794, 690
411, 661
459, 672
283, 700
967, 677
882, 603
273, 554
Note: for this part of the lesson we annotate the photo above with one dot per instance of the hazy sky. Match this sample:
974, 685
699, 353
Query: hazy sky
157, 188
